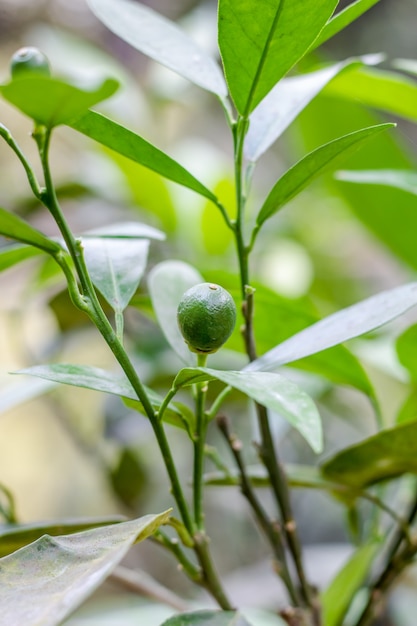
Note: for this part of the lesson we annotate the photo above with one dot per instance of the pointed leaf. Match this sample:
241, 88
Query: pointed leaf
271, 390
167, 283
116, 266
259, 47
12, 255
342, 19
16, 536
16, 228
346, 324
46, 581
52, 102
207, 618
389, 454
129, 144
161, 40
286, 100
99, 380
406, 180
337, 598
317, 162
134, 230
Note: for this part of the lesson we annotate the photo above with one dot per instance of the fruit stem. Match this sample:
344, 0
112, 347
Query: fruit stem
199, 443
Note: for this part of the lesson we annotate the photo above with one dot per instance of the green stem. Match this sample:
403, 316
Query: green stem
8, 137
199, 442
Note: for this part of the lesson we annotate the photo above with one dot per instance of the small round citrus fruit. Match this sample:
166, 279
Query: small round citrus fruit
29, 61
206, 317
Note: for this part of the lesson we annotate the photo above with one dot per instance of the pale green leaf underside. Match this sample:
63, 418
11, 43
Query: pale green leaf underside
161, 40
167, 283
271, 390
14, 227
53, 102
337, 598
129, 144
342, 19
44, 582
346, 324
386, 455
258, 47
406, 180
207, 618
311, 166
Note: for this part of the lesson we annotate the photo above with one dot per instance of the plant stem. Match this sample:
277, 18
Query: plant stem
199, 443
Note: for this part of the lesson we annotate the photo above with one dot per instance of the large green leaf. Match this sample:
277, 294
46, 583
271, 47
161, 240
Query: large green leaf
16, 536
405, 180
162, 40
47, 580
342, 19
337, 598
207, 618
346, 324
16, 228
286, 100
12, 255
99, 380
388, 454
258, 47
129, 144
52, 102
311, 166
273, 391
167, 283
381, 89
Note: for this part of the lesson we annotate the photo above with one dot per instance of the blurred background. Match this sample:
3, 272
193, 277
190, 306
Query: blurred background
66, 452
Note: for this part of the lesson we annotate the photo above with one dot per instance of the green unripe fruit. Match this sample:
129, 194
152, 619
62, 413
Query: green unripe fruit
206, 317
29, 61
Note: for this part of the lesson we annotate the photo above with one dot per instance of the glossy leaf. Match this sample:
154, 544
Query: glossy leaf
207, 618
16, 536
389, 454
286, 100
380, 89
337, 598
52, 102
12, 255
406, 180
342, 19
14, 227
167, 283
161, 40
99, 380
271, 390
311, 166
346, 324
259, 47
67, 569
116, 266
129, 144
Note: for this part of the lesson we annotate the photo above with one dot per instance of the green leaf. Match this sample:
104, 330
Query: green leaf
308, 168
207, 618
259, 47
271, 390
52, 102
342, 19
16, 536
129, 144
346, 324
286, 100
161, 40
386, 455
14, 254
380, 89
337, 598
116, 266
16, 228
167, 283
67, 569
99, 380
406, 65
176, 414
406, 180
406, 346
